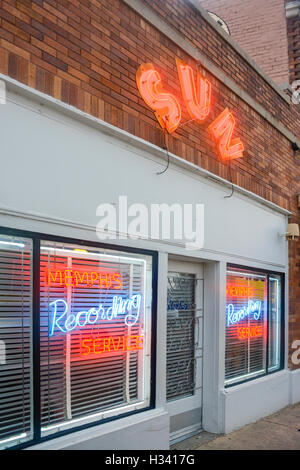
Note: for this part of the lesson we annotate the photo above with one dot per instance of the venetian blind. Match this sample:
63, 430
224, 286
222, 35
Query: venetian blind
246, 323
15, 340
76, 382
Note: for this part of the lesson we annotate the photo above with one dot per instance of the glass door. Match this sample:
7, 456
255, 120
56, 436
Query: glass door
184, 347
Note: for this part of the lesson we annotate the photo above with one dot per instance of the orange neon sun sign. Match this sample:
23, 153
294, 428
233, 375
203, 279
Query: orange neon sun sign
197, 99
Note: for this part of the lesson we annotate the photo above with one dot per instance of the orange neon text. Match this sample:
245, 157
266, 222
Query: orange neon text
197, 98
239, 291
166, 107
72, 278
250, 332
111, 344
222, 129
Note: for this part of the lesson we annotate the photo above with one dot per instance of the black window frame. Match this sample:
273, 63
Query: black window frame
268, 273
36, 238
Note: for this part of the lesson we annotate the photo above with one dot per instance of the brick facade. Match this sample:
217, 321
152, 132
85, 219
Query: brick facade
86, 53
293, 28
260, 28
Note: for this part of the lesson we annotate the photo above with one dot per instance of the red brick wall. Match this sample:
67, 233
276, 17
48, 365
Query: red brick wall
86, 53
260, 29
293, 27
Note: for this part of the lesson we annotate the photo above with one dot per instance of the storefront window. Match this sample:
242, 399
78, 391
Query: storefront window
91, 320
253, 325
15, 340
95, 334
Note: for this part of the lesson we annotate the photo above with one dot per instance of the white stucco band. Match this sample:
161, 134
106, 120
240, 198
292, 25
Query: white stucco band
42, 102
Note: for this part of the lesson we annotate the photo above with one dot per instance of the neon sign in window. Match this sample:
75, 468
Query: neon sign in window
235, 315
250, 332
246, 324
70, 277
95, 318
97, 346
63, 321
239, 291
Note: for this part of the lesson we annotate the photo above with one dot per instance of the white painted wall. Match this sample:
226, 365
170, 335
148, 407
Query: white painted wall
149, 430
251, 401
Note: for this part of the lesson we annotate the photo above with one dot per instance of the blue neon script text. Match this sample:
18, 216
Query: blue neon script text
235, 316
64, 322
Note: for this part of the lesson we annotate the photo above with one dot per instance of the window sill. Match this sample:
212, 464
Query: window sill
99, 432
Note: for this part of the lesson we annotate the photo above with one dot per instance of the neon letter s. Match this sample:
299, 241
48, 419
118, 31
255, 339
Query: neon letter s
166, 107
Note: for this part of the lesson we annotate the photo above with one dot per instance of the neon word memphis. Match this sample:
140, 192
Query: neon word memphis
253, 308
65, 322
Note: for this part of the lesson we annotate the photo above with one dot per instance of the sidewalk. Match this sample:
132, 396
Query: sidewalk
279, 431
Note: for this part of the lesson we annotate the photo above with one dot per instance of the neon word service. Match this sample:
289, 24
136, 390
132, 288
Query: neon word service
111, 344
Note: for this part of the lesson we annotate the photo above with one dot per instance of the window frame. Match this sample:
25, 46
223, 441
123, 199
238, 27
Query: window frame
36, 238
269, 274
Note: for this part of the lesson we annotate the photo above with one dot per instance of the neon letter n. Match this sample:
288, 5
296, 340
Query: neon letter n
222, 130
